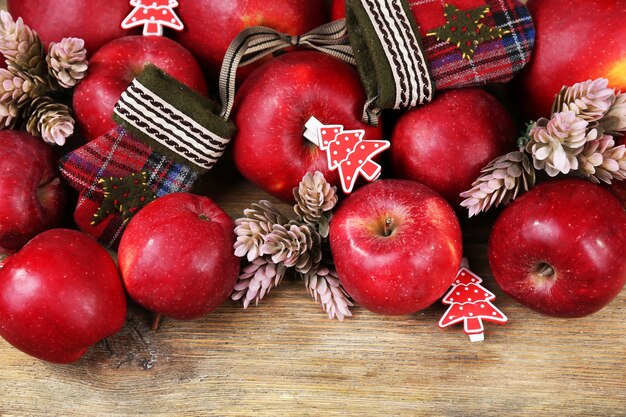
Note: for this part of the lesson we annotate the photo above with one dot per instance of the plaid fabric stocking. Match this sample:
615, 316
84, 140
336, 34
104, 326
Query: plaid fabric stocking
407, 49
167, 136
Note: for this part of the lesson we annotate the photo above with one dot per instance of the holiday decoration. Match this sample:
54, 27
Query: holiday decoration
30, 187
579, 138
66, 295
464, 29
210, 26
346, 151
559, 248
272, 244
470, 303
407, 50
396, 245
153, 15
112, 69
195, 237
32, 83
162, 144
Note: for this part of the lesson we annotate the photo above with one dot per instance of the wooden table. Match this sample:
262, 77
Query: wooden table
285, 357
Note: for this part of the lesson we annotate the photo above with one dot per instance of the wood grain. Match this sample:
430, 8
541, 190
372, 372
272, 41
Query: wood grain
285, 358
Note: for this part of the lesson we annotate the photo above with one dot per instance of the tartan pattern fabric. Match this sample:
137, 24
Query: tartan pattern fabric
494, 61
118, 154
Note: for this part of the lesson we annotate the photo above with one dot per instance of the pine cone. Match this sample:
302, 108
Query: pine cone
251, 229
293, 245
19, 87
256, 280
555, 143
589, 100
21, 47
323, 285
50, 120
602, 161
67, 61
614, 122
9, 112
315, 198
501, 181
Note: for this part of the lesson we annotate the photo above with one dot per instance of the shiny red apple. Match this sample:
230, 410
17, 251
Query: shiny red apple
210, 26
575, 41
31, 194
116, 65
445, 144
176, 256
273, 106
59, 295
97, 22
337, 9
559, 248
396, 245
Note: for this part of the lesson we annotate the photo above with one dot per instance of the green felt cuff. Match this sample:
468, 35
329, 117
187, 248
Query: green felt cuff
173, 119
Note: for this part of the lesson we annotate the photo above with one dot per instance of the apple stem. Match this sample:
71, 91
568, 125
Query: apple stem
156, 322
388, 223
547, 270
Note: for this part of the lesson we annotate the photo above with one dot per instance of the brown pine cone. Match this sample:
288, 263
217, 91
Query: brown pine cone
51, 121
67, 61
315, 198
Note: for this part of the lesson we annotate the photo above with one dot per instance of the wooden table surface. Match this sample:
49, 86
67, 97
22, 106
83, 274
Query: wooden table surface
285, 357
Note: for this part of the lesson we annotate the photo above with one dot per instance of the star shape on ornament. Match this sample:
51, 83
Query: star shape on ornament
464, 29
126, 195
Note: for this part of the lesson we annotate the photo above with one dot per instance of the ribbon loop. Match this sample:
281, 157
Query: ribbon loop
257, 42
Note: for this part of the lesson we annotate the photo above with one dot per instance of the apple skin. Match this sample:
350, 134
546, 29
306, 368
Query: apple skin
96, 22
274, 104
411, 268
337, 9
30, 188
209, 42
177, 258
571, 49
59, 295
116, 65
444, 144
576, 227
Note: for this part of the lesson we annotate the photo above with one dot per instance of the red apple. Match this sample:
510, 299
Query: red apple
177, 258
559, 249
446, 143
576, 41
337, 9
396, 245
30, 189
97, 22
209, 41
272, 108
116, 65
59, 295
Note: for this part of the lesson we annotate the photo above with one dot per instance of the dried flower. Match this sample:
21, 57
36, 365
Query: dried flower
555, 143
252, 229
67, 61
315, 198
602, 161
500, 182
51, 121
293, 245
256, 280
614, 121
323, 285
21, 46
19, 87
589, 100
